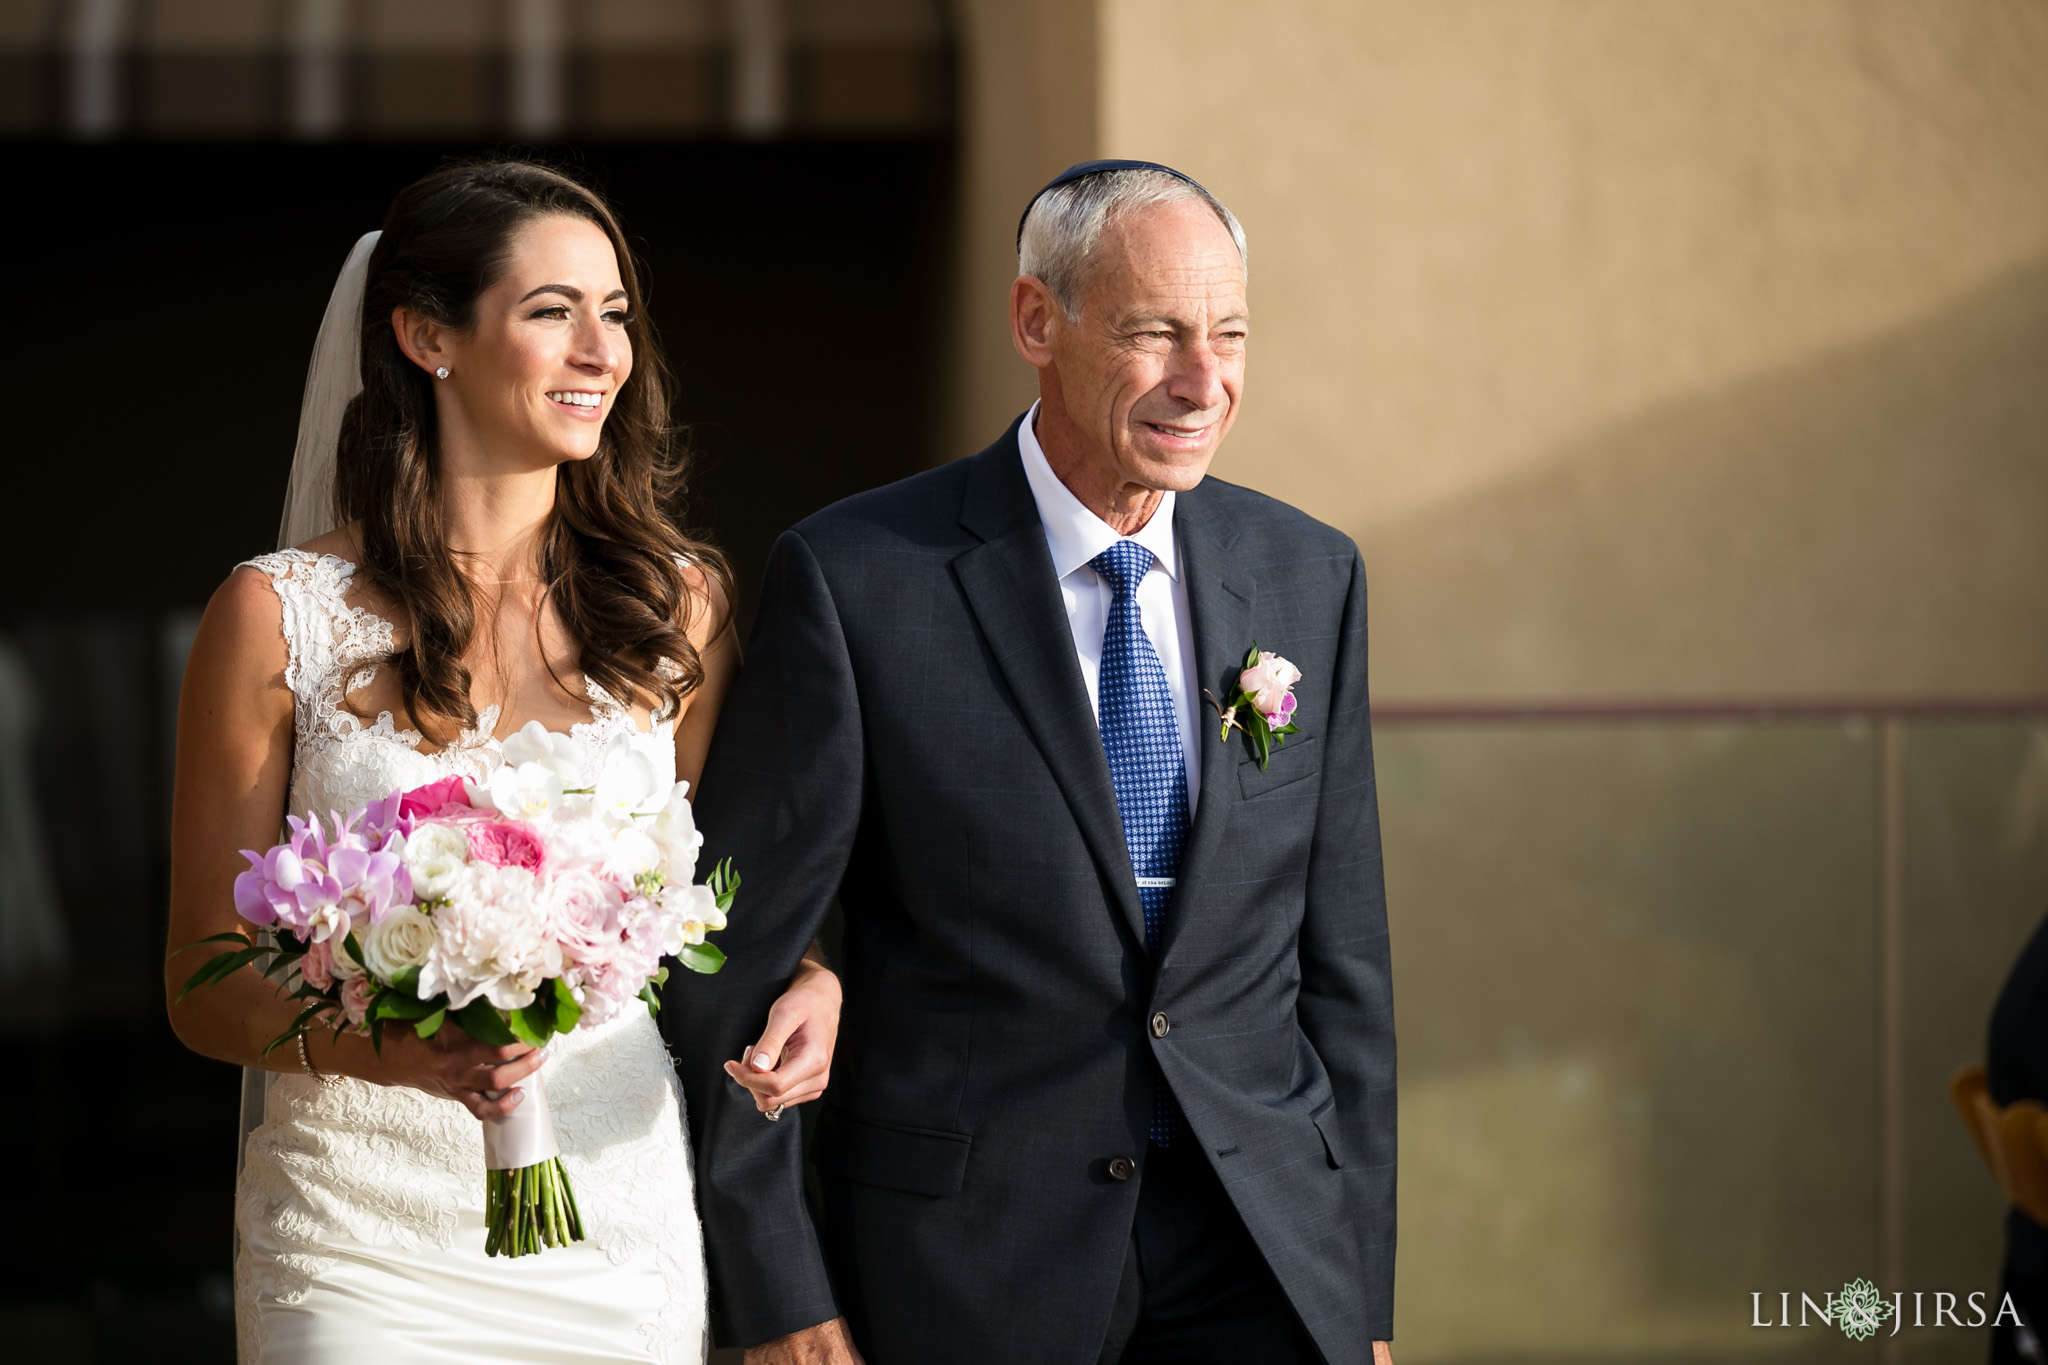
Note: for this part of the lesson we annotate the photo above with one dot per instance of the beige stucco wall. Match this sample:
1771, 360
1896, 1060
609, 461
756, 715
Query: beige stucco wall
1651, 349
1696, 347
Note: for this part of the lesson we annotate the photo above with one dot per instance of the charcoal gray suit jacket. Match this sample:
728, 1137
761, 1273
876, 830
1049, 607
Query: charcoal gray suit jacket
911, 733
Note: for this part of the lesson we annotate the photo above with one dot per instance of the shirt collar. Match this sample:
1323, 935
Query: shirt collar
1074, 534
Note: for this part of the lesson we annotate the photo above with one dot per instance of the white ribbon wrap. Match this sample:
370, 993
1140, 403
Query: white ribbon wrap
526, 1136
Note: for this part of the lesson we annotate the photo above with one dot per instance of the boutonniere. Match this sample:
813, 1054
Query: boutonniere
1263, 704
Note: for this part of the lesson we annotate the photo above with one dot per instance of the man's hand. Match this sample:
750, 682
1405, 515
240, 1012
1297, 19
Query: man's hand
1382, 1354
829, 1343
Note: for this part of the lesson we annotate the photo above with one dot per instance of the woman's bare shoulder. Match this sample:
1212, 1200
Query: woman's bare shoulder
707, 608
344, 542
242, 631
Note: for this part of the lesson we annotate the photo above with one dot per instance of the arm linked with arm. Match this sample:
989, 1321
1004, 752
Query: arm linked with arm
781, 796
1346, 1006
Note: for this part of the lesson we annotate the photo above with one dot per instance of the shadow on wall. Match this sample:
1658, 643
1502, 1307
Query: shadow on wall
1872, 522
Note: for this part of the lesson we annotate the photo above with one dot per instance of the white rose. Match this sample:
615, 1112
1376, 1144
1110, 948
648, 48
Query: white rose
435, 856
346, 968
403, 939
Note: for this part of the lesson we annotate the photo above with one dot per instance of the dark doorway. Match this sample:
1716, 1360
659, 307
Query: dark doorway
166, 298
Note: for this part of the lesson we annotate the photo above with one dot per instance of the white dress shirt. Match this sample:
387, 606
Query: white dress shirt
1076, 535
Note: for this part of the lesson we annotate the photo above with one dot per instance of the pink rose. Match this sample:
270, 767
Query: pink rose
607, 989
317, 966
433, 798
583, 916
1270, 684
355, 999
506, 843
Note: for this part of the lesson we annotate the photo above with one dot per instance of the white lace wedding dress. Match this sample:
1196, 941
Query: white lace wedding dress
359, 1214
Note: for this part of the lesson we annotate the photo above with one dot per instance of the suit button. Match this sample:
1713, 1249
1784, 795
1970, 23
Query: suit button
1122, 1168
1161, 1025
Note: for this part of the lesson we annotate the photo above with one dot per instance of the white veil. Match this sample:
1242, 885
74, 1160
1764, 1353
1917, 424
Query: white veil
333, 377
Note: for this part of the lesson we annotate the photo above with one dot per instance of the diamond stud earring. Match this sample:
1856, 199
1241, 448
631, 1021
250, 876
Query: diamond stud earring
441, 373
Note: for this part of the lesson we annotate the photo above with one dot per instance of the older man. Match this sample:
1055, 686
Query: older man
1116, 1076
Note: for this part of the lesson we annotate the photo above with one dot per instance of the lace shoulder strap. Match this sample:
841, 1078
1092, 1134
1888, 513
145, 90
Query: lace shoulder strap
313, 591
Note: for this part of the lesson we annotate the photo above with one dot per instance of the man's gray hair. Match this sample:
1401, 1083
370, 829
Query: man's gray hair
1067, 223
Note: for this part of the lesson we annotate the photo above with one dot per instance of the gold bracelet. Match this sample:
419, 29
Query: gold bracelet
306, 1060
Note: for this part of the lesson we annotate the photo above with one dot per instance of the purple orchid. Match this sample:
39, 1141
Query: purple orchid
318, 888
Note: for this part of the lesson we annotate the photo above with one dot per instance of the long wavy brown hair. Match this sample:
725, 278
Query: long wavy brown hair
610, 557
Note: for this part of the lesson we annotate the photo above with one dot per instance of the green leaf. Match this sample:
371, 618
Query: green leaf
377, 1036
1259, 735
231, 936
298, 1026
200, 977
480, 1020
431, 1025
396, 1004
567, 1011
238, 961
653, 1001
531, 1024
701, 957
407, 979
1251, 657
724, 884
219, 967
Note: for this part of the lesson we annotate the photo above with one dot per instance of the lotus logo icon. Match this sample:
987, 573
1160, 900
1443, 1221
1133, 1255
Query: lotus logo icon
1860, 1310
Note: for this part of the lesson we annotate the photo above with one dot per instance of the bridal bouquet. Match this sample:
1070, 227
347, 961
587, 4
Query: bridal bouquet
514, 909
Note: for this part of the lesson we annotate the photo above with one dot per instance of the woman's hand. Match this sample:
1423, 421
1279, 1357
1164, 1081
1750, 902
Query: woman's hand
792, 1063
455, 1066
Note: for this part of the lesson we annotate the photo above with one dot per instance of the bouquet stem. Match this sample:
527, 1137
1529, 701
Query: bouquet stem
528, 1202
529, 1209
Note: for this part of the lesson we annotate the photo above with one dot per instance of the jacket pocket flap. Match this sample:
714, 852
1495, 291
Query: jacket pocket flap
916, 1160
1286, 765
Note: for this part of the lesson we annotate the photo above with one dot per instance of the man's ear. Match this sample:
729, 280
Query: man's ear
423, 340
1034, 315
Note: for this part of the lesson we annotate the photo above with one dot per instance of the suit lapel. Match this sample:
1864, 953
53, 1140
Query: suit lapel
1223, 631
1009, 584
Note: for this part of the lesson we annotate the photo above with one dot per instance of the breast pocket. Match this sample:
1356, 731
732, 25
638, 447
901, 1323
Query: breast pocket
1295, 761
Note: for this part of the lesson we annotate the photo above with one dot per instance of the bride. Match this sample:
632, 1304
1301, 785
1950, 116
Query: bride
500, 562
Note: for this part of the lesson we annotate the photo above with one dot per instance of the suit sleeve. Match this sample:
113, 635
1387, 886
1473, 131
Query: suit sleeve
1347, 1003
781, 796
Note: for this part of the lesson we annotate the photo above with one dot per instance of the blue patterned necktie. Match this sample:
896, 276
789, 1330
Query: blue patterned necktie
1141, 736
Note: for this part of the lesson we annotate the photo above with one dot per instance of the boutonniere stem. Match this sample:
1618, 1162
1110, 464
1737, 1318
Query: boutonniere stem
1262, 704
